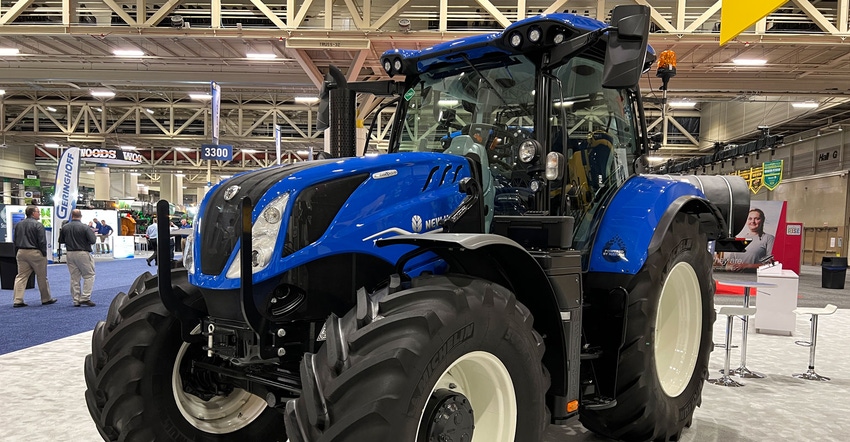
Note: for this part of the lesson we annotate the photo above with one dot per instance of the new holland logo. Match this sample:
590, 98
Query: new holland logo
231, 192
416, 223
615, 250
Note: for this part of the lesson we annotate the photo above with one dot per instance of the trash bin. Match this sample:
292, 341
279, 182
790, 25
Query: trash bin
833, 272
9, 267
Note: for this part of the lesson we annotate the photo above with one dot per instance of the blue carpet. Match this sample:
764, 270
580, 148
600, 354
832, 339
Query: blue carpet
37, 324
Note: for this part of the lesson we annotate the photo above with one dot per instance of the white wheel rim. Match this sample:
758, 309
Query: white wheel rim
678, 328
485, 382
219, 415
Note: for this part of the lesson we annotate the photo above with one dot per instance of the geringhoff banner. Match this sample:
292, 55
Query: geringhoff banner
67, 177
65, 191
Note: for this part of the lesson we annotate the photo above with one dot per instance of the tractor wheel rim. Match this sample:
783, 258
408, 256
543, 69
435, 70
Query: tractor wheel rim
219, 415
678, 327
484, 381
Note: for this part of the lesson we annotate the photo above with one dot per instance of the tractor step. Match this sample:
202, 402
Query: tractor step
599, 403
591, 353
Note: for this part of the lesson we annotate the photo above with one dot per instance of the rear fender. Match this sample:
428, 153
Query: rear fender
503, 261
639, 214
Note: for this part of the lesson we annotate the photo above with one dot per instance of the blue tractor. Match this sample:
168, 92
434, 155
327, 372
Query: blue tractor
505, 266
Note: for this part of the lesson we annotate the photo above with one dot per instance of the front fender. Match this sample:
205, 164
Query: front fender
629, 224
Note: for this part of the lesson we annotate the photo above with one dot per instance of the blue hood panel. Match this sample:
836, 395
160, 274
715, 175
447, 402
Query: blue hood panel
401, 193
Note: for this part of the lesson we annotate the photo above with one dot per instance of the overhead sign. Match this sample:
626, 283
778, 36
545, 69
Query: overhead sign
772, 174
768, 175
108, 155
327, 43
215, 91
277, 143
738, 15
220, 152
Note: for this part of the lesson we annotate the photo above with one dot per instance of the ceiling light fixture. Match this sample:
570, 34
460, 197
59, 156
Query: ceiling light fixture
9, 51
749, 62
128, 53
51, 145
260, 56
307, 100
805, 105
150, 111
51, 109
183, 149
249, 151
102, 94
683, 104
2, 91
200, 96
127, 147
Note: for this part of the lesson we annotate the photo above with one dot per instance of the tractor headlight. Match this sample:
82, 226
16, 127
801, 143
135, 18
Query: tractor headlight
534, 34
559, 38
387, 65
516, 39
264, 236
188, 253
554, 166
529, 150
397, 64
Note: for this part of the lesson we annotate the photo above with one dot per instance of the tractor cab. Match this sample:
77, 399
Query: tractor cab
535, 106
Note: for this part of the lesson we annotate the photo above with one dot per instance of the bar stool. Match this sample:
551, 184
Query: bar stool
730, 313
813, 342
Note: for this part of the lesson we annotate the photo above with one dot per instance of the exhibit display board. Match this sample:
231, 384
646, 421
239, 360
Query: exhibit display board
12, 214
768, 232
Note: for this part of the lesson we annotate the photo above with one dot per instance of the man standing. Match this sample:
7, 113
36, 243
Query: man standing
105, 231
78, 239
152, 236
31, 245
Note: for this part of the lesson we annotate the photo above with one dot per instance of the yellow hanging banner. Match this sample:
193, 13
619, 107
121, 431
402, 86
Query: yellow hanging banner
738, 15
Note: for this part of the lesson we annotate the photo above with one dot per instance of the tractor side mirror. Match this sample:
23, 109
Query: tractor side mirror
627, 42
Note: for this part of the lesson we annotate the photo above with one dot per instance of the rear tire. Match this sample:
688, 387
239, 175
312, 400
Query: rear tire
664, 358
446, 343
134, 387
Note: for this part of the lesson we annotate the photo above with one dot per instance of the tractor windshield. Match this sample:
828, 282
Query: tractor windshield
493, 105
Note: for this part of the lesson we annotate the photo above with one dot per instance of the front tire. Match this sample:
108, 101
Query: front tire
134, 378
450, 355
665, 349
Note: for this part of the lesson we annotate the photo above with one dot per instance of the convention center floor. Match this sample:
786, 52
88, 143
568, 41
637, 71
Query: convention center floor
42, 385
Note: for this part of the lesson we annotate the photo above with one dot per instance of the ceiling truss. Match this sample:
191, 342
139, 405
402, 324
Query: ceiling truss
67, 50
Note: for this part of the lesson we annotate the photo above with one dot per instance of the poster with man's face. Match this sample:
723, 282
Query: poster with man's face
763, 220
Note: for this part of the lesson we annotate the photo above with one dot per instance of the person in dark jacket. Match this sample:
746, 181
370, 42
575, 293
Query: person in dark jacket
31, 246
78, 239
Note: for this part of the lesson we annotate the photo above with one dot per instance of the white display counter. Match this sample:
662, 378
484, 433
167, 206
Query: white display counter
775, 305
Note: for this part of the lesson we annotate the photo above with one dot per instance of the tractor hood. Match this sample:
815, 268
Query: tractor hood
331, 206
